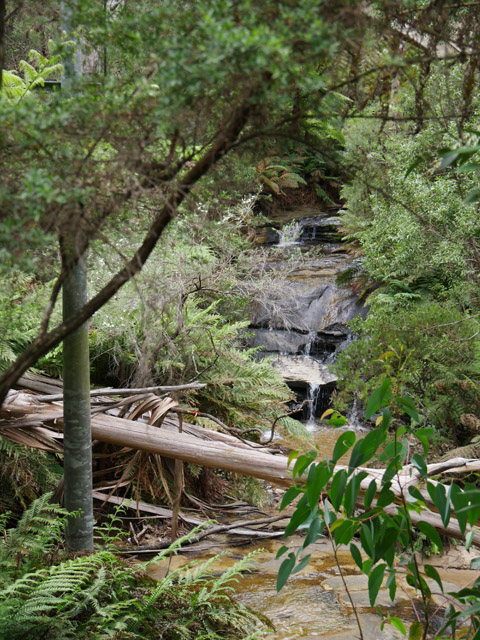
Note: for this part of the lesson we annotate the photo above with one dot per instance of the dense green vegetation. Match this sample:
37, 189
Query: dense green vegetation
152, 163
48, 593
380, 522
414, 216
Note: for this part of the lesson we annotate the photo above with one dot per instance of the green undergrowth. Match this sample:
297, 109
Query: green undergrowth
25, 473
48, 593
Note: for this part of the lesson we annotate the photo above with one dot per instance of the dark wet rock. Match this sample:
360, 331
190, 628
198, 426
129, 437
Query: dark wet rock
308, 307
278, 341
267, 235
303, 326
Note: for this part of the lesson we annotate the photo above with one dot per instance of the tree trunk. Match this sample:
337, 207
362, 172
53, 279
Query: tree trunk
2, 39
76, 402
77, 458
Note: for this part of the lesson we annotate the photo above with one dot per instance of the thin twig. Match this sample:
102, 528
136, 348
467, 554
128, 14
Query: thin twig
127, 392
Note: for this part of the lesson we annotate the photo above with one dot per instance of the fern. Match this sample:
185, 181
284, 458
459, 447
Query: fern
15, 88
98, 596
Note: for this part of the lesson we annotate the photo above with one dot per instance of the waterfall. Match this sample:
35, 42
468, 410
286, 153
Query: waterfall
309, 342
306, 328
312, 399
290, 234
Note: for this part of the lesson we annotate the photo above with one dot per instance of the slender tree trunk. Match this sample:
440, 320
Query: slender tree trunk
2, 39
77, 458
77, 429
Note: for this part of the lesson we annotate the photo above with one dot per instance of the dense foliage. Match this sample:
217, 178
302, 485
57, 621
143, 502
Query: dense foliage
47, 593
378, 517
414, 216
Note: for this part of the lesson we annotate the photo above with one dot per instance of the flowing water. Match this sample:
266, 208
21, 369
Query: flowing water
303, 334
303, 329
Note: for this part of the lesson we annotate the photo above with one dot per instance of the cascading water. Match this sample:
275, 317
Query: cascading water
289, 234
305, 329
311, 403
309, 343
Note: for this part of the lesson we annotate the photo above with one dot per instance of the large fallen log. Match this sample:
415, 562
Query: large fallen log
197, 446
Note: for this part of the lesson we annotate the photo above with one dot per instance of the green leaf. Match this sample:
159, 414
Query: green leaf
345, 532
442, 503
417, 581
398, 624
337, 420
386, 496
416, 631
345, 441
356, 555
302, 463
414, 495
370, 494
313, 532
337, 488
290, 494
352, 490
317, 481
431, 533
385, 547
328, 516
375, 580
432, 573
366, 539
386, 419
424, 434
419, 463
475, 608
471, 506
396, 450
297, 519
475, 563
327, 413
469, 540
459, 501
285, 570
378, 399
366, 448
302, 564
408, 406
291, 456
391, 585
281, 551
390, 472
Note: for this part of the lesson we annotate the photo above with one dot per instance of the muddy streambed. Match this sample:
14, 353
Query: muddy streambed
314, 603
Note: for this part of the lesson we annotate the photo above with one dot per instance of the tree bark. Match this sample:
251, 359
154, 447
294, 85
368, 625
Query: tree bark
77, 442
2, 39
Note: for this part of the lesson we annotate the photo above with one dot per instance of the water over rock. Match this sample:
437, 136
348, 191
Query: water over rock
304, 325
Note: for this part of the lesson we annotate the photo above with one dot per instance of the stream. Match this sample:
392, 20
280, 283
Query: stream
302, 331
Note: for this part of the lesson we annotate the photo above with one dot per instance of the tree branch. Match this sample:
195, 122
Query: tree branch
225, 140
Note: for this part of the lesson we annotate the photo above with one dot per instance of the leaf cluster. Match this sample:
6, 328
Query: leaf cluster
370, 519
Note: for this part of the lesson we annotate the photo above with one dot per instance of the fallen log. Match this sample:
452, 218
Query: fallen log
246, 528
20, 410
